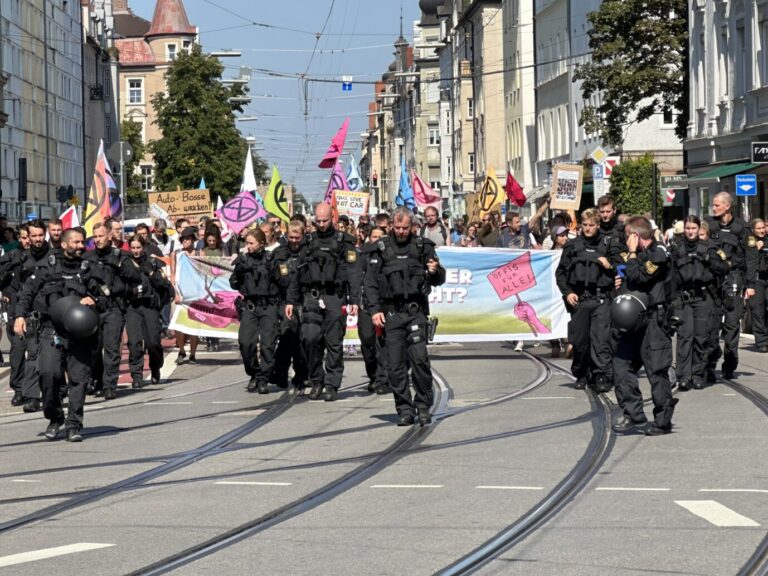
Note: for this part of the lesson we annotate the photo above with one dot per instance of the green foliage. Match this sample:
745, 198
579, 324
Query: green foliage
130, 131
200, 139
639, 64
632, 186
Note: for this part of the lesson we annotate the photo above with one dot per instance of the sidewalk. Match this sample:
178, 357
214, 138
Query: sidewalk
123, 381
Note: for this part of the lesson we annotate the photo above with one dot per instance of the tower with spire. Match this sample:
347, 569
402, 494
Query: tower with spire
146, 51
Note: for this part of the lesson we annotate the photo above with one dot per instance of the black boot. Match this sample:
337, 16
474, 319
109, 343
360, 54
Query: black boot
253, 384
262, 387
316, 392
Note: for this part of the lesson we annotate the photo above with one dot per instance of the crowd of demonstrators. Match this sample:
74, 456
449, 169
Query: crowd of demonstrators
298, 282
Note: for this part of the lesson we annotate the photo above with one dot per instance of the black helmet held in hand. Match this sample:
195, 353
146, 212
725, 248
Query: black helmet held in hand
629, 310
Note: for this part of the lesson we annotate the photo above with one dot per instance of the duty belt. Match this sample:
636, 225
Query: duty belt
399, 307
598, 295
326, 290
251, 304
688, 296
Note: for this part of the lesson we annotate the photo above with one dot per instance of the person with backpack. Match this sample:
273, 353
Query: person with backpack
434, 229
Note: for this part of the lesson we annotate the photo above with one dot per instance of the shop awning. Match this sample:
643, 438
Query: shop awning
716, 174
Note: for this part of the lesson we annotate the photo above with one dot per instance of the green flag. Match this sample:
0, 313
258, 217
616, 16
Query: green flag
275, 201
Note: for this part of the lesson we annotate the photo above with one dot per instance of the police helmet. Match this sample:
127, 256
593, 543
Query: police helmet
59, 307
80, 321
628, 311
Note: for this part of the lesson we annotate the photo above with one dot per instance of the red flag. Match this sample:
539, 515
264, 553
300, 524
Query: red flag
69, 218
424, 194
514, 191
336, 147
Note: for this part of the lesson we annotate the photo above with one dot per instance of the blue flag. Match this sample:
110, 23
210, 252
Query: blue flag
405, 192
354, 181
202, 184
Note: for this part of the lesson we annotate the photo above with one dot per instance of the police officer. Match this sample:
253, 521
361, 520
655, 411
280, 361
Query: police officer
326, 288
289, 351
740, 247
64, 275
10, 267
758, 301
401, 274
372, 342
148, 294
255, 278
40, 256
697, 267
585, 277
649, 345
120, 278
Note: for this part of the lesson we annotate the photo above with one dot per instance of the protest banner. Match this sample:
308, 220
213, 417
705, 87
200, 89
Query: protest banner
190, 204
352, 204
566, 187
490, 294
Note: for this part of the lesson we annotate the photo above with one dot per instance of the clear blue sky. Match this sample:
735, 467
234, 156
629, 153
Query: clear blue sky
358, 41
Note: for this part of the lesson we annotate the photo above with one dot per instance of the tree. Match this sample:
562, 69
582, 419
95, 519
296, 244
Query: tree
639, 66
197, 121
632, 186
130, 131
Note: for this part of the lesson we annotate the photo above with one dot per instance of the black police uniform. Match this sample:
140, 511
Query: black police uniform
697, 268
121, 277
10, 267
148, 294
288, 351
581, 273
63, 276
397, 284
35, 261
254, 277
735, 239
757, 304
327, 280
649, 346
372, 340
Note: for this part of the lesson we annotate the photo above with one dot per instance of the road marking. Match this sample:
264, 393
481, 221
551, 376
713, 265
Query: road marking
242, 413
45, 553
168, 403
25, 481
729, 394
626, 489
407, 486
343, 400
227, 402
549, 397
748, 490
509, 487
246, 483
715, 513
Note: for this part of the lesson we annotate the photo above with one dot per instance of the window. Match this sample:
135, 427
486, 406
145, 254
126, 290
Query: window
146, 178
668, 118
135, 91
186, 45
108, 129
470, 108
435, 185
170, 52
471, 163
448, 122
434, 136
449, 167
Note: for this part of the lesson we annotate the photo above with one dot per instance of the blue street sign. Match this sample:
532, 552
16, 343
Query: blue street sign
346, 86
746, 184
598, 172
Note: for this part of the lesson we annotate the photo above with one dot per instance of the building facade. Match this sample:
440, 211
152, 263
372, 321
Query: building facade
728, 99
41, 145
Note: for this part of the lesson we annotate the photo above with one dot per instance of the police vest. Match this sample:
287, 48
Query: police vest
585, 270
324, 262
690, 265
62, 282
254, 276
403, 275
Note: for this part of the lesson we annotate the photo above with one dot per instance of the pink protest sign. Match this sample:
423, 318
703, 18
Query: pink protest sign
514, 277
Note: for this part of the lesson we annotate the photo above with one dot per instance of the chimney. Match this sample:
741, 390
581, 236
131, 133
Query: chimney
120, 7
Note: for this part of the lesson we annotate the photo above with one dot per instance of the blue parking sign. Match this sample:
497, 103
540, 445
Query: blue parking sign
598, 172
746, 184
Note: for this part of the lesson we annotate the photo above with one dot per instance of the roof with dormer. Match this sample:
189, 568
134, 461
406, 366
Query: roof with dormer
135, 52
170, 19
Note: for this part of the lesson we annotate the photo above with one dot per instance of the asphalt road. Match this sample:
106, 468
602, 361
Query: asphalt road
304, 487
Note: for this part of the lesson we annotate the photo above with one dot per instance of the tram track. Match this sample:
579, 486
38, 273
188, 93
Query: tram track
407, 441
586, 468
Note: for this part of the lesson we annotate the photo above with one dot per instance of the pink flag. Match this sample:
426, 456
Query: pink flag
337, 182
241, 211
424, 194
69, 218
336, 147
